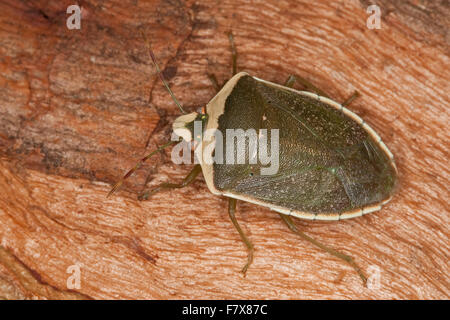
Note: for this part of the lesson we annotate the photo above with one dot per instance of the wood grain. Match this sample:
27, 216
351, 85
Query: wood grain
78, 106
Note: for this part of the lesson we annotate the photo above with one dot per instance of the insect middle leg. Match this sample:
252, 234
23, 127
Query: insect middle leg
186, 181
308, 85
291, 225
231, 211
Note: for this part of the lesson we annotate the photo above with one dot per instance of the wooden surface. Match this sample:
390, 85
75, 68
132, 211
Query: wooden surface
77, 108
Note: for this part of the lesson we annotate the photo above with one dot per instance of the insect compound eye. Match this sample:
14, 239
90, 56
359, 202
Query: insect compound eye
201, 110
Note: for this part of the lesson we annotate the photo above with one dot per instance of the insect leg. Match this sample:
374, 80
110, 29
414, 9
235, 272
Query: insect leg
186, 181
231, 211
233, 52
308, 85
291, 225
214, 81
290, 81
137, 166
212, 77
355, 95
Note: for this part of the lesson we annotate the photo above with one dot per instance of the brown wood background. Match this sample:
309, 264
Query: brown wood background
77, 107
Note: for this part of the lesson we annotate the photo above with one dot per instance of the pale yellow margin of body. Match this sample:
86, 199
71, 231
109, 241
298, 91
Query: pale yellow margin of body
216, 107
179, 126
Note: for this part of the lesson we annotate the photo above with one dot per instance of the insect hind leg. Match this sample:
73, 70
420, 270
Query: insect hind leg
350, 99
291, 225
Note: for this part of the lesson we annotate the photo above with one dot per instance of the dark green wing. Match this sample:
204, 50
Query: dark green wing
328, 163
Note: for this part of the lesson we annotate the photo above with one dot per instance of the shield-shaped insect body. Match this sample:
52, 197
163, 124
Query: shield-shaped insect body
331, 164
298, 153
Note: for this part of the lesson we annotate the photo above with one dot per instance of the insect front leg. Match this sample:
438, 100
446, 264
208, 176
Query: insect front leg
291, 225
233, 52
214, 82
212, 77
163, 186
231, 211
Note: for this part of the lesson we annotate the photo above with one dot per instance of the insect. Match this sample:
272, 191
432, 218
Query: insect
332, 165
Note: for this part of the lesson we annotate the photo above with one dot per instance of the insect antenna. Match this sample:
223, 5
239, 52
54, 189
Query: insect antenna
137, 166
152, 56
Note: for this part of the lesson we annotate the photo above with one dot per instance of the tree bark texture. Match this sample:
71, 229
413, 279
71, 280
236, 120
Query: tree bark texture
77, 108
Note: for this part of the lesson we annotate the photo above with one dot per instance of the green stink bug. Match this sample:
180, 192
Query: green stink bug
331, 164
